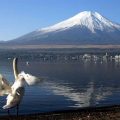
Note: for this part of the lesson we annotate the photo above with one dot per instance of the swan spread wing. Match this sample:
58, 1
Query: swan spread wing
30, 79
5, 87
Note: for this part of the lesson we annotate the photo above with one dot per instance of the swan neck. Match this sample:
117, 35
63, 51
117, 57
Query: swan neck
15, 68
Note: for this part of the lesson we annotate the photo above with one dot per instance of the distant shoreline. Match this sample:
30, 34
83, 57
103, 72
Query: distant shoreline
59, 46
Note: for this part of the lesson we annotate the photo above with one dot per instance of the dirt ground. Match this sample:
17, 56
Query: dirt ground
101, 113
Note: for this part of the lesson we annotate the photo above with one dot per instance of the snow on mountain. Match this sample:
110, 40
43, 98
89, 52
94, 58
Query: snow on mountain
92, 20
84, 28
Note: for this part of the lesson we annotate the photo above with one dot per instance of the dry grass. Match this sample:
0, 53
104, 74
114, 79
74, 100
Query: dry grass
58, 46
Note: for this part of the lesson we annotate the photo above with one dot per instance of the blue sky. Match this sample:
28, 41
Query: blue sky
18, 17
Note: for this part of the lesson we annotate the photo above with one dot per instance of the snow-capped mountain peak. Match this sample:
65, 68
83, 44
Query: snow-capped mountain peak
84, 28
91, 20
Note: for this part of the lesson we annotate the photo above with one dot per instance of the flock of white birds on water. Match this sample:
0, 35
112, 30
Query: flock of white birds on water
16, 91
104, 58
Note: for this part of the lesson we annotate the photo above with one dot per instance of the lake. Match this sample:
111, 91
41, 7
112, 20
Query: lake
66, 85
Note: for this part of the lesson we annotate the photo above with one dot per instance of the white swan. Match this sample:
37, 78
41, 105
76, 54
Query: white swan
16, 91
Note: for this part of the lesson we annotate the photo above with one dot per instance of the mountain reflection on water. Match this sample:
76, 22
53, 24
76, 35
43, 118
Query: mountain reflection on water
67, 85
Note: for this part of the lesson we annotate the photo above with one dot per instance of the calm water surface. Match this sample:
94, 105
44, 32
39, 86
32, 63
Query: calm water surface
66, 85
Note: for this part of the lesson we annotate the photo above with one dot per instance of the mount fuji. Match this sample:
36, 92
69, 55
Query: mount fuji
84, 28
